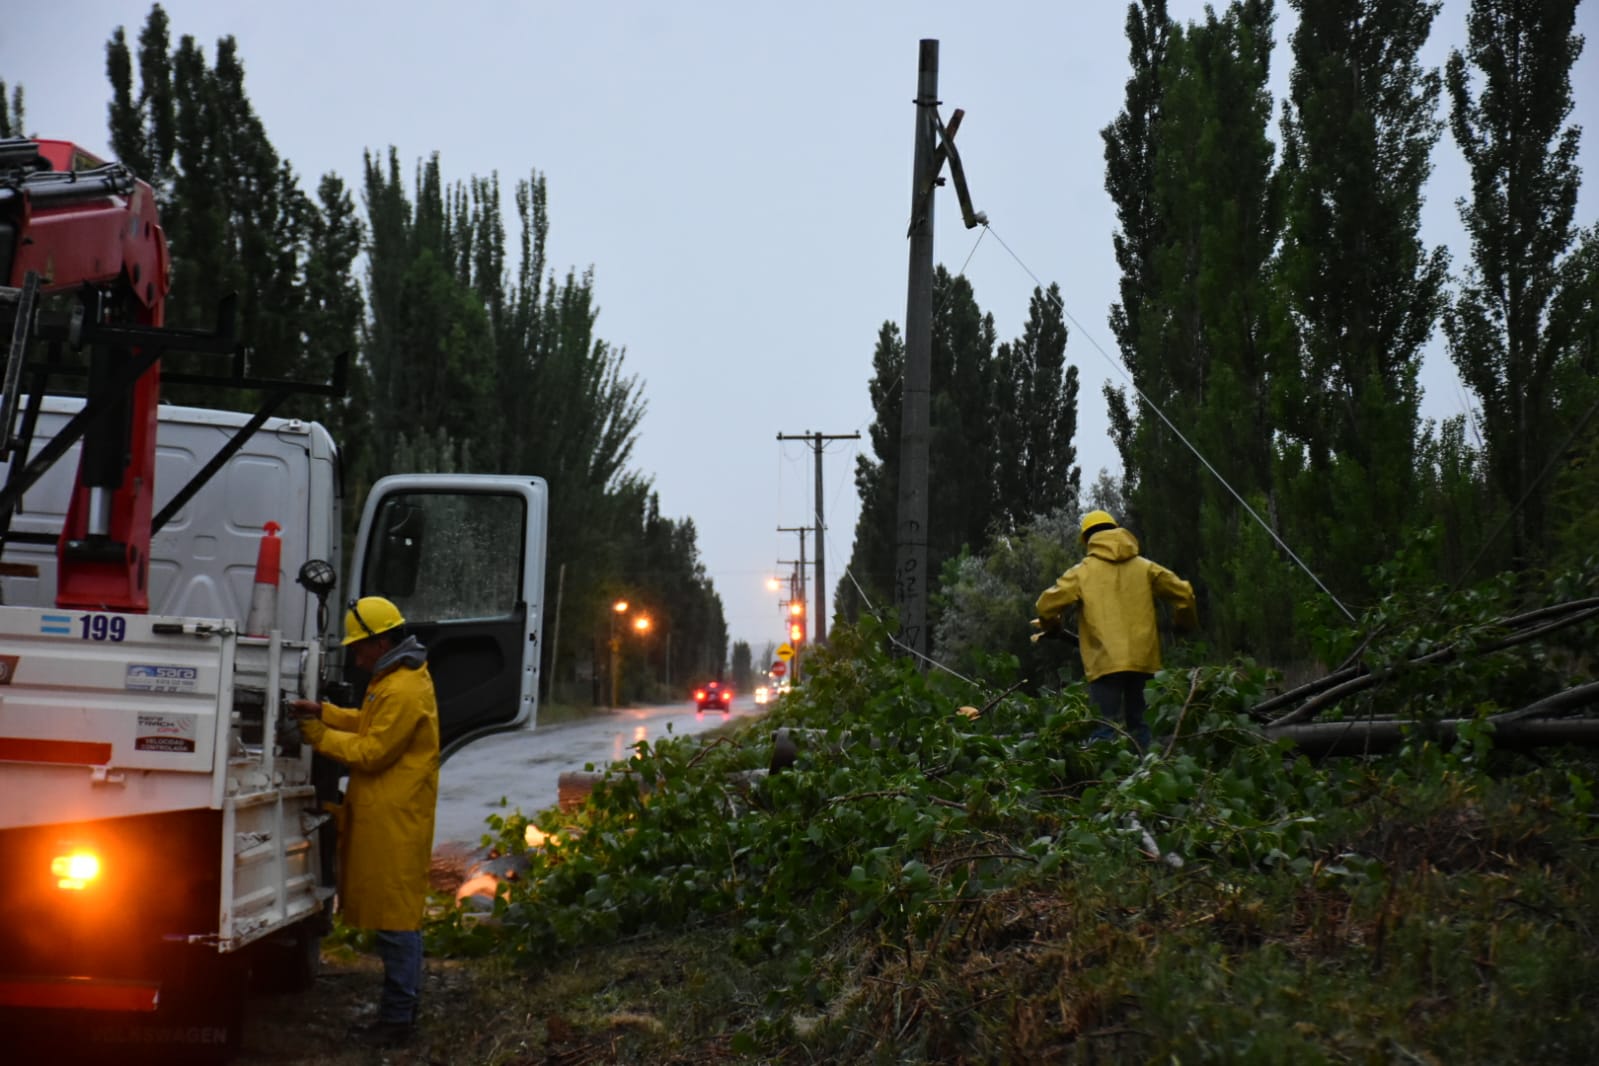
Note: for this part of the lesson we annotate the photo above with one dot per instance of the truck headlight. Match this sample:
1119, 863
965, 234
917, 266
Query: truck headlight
75, 870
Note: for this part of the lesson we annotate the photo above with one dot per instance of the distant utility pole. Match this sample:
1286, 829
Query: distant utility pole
796, 594
934, 144
815, 440
801, 530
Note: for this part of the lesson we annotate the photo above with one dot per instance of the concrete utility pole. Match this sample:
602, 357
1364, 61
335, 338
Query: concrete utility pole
815, 440
910, 561
934, 145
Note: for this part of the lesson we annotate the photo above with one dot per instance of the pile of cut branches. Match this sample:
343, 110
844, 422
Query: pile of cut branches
1533, 686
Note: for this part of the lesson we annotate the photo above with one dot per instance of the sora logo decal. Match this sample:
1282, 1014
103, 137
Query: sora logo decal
155, 677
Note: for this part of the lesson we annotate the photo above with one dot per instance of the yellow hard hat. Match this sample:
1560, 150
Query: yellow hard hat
370, 616
1092, 519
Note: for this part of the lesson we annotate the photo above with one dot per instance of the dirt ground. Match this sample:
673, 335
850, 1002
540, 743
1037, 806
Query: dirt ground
641, 1003
459, 1024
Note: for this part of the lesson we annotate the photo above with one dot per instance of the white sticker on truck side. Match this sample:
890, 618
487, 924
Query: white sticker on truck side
165, 732
148, 677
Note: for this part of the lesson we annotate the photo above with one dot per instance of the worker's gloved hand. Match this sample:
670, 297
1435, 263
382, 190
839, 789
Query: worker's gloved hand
305, 709
311, 730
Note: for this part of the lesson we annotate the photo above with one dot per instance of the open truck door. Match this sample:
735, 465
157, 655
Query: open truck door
462, 556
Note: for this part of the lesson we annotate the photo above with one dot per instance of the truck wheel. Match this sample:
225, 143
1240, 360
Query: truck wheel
288, 961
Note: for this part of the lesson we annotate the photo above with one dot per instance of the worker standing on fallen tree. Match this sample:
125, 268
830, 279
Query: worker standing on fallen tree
391, 745
1116, 589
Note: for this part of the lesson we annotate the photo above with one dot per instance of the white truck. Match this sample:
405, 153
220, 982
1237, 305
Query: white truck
159, 822
162, 830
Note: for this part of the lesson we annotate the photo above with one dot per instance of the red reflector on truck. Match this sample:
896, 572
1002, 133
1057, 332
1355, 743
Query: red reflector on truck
79, 993
74, 752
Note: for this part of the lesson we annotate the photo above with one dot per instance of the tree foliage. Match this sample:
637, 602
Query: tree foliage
1523, 318
1189, 167
1205, 901
1034, 417
465, 362
1358, 132
1001, 449
236, 220
13, 116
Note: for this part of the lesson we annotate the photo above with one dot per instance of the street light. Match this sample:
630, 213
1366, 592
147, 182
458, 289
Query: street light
618, 608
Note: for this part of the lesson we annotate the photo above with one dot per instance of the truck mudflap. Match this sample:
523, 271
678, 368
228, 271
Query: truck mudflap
197, 1017
80, 993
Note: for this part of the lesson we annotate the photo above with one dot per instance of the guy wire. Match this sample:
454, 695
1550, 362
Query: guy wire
1061, 306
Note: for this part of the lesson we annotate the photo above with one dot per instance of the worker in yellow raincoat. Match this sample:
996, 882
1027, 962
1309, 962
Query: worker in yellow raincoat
1116, 588
391, 746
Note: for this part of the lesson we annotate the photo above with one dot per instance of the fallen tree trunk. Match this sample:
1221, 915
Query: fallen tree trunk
1329, 690
1581, 696
1379, 737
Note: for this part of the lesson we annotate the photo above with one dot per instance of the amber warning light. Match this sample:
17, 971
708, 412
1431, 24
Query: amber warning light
75, 871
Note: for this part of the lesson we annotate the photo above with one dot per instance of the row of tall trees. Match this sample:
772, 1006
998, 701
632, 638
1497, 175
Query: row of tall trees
470, 353
1004, 417
1273, 312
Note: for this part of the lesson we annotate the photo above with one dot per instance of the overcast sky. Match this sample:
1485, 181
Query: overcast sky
738, 175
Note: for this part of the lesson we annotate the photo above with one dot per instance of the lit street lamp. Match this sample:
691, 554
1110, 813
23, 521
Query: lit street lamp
617, 608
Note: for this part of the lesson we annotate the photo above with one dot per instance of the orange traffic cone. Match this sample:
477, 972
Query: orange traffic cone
264, 598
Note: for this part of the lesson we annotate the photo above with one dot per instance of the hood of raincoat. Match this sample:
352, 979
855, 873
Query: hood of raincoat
1113, 545
409, 652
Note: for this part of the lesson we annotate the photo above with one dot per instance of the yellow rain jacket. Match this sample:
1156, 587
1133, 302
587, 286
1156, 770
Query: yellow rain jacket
1117, 588
391, 745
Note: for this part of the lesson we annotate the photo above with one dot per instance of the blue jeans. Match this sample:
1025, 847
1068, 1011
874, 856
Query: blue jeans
1121, 696
401, 952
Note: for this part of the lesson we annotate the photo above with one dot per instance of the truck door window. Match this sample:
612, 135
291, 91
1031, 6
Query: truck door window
446, 556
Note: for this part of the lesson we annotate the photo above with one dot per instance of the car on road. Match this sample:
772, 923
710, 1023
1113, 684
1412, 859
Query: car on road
713, 695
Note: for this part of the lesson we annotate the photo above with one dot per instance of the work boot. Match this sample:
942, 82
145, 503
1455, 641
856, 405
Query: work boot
384, 1034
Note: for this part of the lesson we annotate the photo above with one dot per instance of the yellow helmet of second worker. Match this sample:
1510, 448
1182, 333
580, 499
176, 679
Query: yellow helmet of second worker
370, 616
1093, 519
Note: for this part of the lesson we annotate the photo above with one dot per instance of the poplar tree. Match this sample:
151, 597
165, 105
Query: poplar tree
1034, 417
961, 496
236, 219
1130, 147
871, 563
13, 118
1190, 167
1518, 329
1358, 131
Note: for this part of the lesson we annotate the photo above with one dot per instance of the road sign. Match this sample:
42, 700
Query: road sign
785, 652
779, 669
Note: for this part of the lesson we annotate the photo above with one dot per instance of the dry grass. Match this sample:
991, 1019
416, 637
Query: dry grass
623, 1004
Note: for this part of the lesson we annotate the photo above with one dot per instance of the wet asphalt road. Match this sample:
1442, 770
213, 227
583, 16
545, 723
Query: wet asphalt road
525, 766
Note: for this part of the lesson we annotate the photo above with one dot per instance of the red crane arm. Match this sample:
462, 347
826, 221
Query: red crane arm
83, 224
